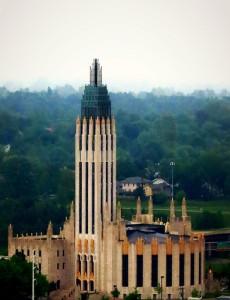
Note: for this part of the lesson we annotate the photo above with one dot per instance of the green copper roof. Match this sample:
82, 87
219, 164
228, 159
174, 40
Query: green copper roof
95, 101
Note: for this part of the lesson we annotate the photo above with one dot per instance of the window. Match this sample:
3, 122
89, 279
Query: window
57, 252
192, 269
57, 266
181, 270
63, 252
63, 266
125, 270
39, 253
169, 270
199, 268
154, 270
39, 268
28, 252
139, 274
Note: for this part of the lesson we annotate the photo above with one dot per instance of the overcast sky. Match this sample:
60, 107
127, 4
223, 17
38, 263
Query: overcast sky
141, 44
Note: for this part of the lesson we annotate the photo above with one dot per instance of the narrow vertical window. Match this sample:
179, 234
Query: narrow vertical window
181, 270
86, 196
154, 270
80, 197
192, 269
168, 270
112, 191
102, 184
125, 270
199, 268
106, 180
139, 270
93, 196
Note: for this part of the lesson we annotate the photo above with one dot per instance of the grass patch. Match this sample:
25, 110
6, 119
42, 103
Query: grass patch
196, 209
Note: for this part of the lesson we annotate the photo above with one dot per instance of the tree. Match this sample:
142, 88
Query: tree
134, 295
19, 177
16, 279
158, 289
226, 273
115, 292
195, 293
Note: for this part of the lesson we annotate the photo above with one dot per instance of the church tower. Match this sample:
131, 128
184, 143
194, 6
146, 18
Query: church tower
95, 177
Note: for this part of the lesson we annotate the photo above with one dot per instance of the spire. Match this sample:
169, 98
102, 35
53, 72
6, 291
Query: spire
138, 218
72, 211
95, 73
10, 231
49, 230
150, 210
184, 213
172, 210
118, 210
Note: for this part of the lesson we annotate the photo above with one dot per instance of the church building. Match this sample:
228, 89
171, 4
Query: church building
97, 249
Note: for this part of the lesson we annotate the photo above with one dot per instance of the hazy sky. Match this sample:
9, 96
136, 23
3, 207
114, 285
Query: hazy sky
141, 44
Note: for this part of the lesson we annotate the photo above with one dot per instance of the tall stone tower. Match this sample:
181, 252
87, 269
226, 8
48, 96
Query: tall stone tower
95, 178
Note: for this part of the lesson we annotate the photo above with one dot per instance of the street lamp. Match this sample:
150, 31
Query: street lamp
182, 293
33, 268
161, 286
172, 164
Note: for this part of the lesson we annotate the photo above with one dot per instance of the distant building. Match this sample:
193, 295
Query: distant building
159, 185
130, 184
97, 249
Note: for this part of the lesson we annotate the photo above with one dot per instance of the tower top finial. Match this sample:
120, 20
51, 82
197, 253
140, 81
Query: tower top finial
95, 100
96, 73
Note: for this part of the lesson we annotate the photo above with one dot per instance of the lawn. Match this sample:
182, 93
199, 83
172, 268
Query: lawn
195, 208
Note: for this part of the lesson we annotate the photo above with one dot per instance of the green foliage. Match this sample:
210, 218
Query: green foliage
152, 130
160, 198
16, 278
139, 192
212, 295
208, 220
135, 295
195, 293
179, 196
115, 292
220, 269
158, 289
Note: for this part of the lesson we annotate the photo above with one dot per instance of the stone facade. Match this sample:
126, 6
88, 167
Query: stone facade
110, 252
53, 254
97, 249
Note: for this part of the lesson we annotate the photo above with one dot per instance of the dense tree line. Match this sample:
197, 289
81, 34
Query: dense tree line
16, 279
37, 171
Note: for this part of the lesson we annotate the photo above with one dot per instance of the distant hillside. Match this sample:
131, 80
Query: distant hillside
37, 173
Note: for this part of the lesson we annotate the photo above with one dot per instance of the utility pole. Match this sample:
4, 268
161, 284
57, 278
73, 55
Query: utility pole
172, 164
33, 268
161, 286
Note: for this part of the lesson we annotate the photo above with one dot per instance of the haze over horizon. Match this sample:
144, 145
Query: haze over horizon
141, 45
